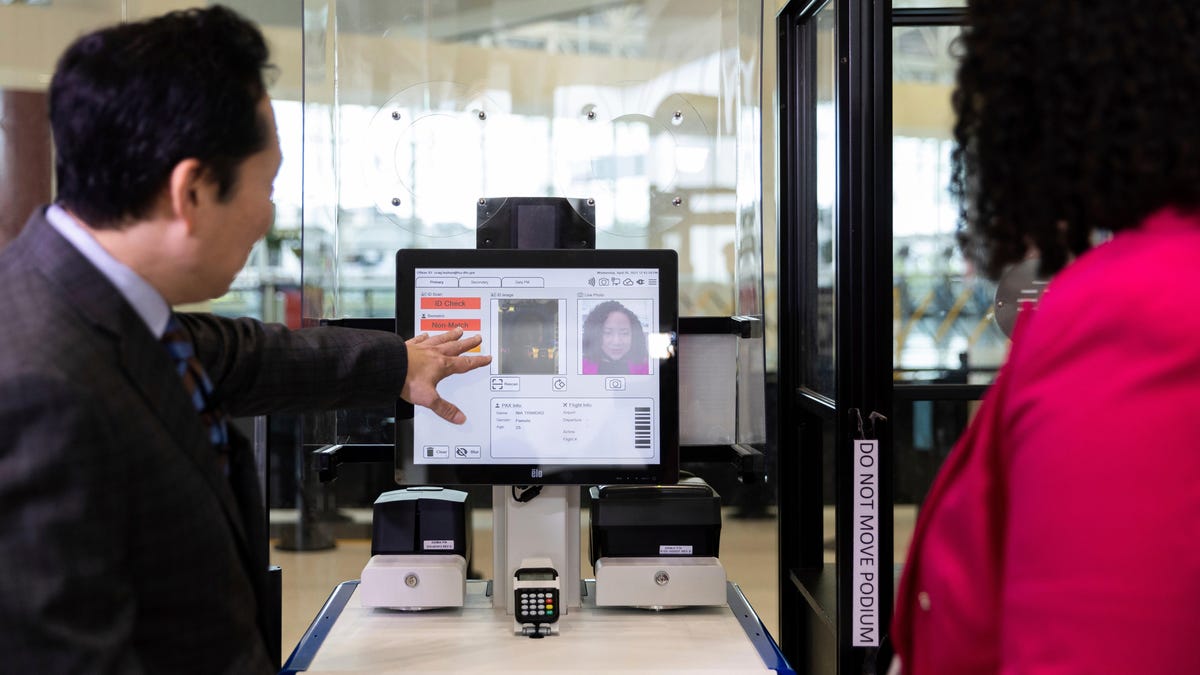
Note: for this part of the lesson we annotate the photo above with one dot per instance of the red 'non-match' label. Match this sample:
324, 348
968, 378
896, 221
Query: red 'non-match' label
441, 325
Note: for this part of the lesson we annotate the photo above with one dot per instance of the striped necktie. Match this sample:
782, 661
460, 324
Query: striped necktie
199, 388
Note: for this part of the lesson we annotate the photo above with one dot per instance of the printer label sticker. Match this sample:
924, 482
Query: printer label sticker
439, 545
674, 550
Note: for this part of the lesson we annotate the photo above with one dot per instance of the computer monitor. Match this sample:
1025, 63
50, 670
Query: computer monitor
583, 384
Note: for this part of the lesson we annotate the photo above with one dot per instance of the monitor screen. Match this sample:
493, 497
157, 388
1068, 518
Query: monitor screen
583, 383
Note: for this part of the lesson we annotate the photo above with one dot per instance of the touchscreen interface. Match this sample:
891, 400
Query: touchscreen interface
581, 359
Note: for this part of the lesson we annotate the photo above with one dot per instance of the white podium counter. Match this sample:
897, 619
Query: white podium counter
348, 638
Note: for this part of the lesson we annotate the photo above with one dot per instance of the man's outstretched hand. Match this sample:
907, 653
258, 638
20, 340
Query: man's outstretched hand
430, 360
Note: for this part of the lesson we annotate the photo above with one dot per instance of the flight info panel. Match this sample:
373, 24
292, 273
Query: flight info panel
574, 375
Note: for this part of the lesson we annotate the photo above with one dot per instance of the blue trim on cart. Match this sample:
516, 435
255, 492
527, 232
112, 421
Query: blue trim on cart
306, 650
768, 651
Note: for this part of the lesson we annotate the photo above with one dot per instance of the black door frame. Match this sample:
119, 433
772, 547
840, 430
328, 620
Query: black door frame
816, 434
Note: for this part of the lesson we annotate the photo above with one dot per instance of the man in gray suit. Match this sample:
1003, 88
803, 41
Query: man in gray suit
132, 537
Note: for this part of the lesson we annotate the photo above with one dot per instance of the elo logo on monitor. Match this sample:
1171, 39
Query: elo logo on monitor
583, 384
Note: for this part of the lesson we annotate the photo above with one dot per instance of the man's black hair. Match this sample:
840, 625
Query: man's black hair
128, 103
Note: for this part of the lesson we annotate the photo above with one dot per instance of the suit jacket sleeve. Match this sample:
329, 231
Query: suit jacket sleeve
258, 368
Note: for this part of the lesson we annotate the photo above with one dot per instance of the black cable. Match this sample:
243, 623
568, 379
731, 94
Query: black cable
528, 492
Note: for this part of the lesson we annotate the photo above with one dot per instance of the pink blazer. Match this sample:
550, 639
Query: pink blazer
1063, 533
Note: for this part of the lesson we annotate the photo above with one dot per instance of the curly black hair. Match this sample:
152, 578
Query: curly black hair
1072, 117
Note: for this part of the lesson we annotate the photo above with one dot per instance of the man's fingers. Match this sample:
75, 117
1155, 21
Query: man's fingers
462, 364
450, 343
441, 338
459, 346
433, 358
447, 411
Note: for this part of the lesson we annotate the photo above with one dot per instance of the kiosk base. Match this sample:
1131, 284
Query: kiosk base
413, 581
659, 583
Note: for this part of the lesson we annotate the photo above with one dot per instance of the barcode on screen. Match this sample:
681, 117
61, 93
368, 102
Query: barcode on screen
641, 428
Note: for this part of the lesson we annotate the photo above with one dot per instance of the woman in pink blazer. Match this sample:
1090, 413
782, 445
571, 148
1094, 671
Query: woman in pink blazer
1063, 533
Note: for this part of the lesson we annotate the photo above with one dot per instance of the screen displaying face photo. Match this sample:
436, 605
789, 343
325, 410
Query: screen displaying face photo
575, 380
614, 336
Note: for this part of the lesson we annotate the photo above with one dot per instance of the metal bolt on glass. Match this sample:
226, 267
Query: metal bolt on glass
395, 201
395, 115
677, 201
677, 118
482, 115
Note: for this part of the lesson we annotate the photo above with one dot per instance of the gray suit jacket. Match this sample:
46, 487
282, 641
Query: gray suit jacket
123, 547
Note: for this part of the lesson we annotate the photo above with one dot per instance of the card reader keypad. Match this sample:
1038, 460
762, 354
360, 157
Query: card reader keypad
537, 605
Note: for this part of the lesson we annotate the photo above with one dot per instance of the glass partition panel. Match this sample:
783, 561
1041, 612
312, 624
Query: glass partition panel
415, 111
742, 36
268, 287
821, 334
944, 330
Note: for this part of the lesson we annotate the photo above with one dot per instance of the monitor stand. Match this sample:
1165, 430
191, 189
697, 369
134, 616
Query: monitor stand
546, 526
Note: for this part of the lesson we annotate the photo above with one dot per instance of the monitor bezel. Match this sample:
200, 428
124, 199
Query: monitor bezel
665, 472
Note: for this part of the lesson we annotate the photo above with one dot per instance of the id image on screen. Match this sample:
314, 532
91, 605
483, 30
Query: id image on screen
527, 337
